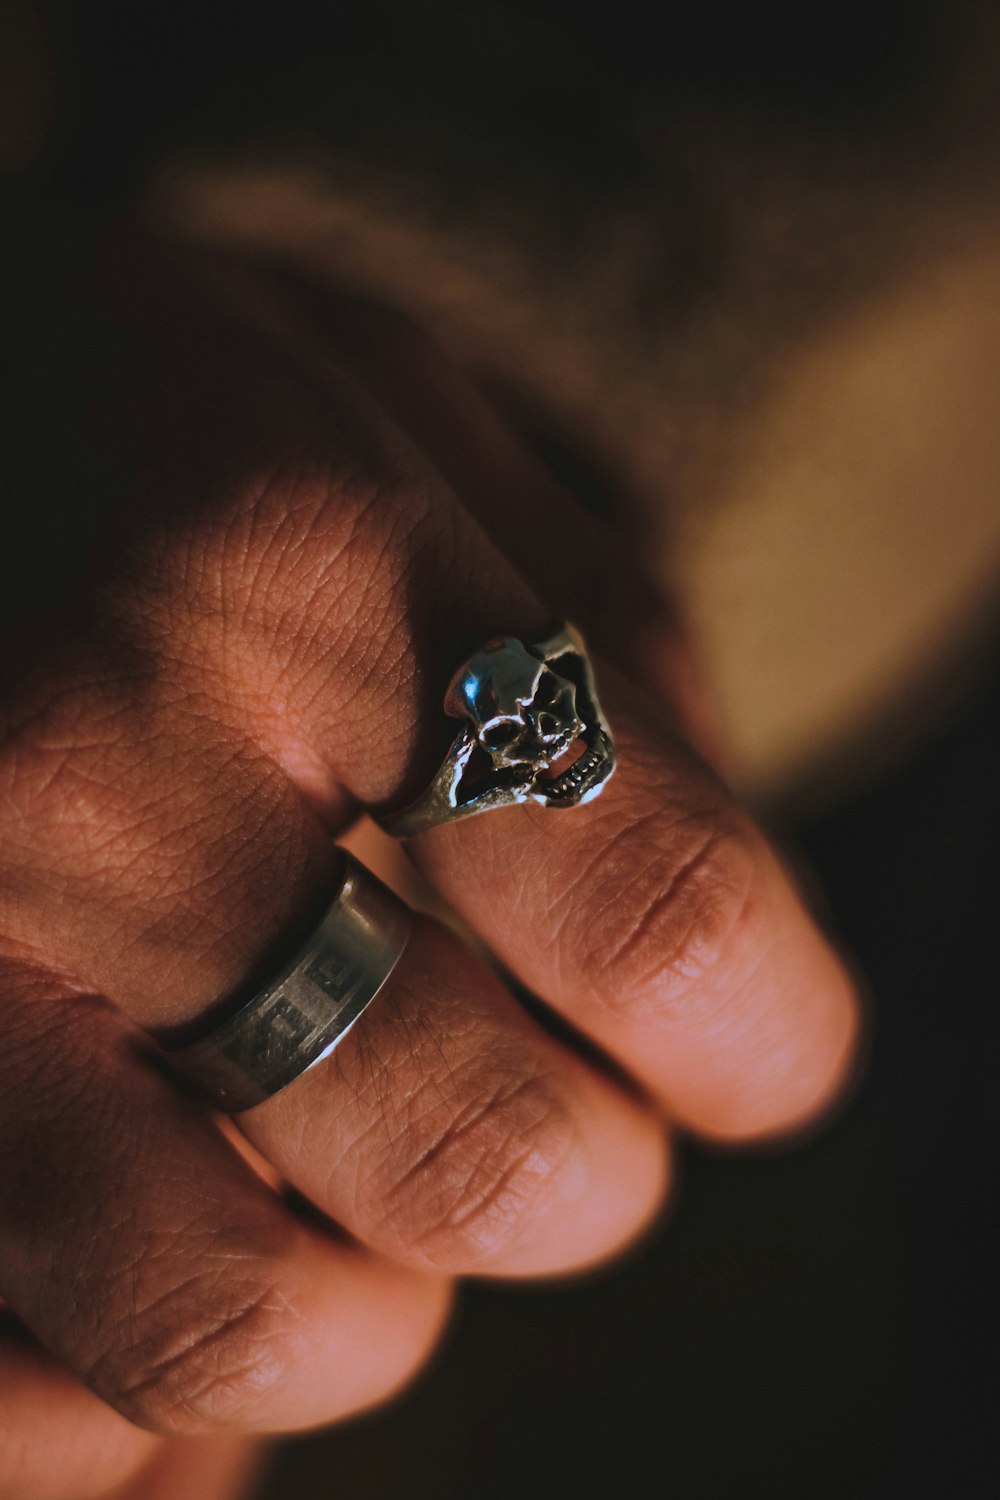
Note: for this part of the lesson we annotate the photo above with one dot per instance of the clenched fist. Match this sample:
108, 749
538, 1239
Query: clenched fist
285, 521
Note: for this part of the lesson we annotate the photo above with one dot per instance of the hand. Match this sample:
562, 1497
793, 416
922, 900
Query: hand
307, 523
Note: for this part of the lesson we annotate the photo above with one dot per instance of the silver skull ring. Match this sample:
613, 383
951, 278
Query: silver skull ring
523, 709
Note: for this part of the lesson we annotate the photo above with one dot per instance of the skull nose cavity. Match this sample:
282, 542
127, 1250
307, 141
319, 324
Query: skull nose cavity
549, 726
501, 734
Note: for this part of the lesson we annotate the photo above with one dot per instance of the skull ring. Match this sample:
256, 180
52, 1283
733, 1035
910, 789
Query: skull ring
532, 731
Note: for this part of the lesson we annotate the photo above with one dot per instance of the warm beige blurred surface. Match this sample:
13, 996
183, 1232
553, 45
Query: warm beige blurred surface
858, 546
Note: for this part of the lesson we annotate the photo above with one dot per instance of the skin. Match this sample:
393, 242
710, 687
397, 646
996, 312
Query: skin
307, 521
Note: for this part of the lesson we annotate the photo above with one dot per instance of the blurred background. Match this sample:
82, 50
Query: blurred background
733, 269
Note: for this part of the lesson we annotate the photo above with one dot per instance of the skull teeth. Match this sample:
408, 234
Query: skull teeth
571, 780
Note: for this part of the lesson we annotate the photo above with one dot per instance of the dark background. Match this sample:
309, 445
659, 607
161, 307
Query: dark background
129, 78
817, 1323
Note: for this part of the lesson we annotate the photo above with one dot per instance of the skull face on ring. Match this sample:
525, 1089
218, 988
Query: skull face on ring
524, 708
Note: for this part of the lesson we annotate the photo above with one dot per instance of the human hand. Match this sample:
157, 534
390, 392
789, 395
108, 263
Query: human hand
306, 528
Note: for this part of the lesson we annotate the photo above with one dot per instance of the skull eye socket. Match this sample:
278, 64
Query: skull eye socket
505, 732
546, 691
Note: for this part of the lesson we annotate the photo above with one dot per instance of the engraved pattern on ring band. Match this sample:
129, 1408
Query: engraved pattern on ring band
307, 1009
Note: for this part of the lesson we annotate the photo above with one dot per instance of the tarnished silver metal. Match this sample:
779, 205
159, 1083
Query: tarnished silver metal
310, 1005
522, 707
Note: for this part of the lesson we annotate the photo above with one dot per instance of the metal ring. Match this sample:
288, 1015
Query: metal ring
310, 1005
532, 731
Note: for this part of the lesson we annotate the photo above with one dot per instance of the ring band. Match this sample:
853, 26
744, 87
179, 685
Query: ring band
532, 731
301, 1015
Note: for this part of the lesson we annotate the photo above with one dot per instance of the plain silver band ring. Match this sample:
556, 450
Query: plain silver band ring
301, 1015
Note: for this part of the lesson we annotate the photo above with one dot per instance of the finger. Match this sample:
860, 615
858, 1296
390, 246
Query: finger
450, 1130
660, 922
58, 1441
156, 1266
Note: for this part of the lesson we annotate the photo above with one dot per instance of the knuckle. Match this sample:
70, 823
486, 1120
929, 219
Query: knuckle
297, 587
201, 1356
55, 784
311, 533
81, 786
691, 901
462, 1177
